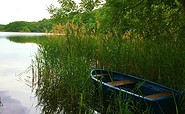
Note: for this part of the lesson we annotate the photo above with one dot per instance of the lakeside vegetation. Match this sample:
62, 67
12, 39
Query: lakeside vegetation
145, 39
65, 63
23, 26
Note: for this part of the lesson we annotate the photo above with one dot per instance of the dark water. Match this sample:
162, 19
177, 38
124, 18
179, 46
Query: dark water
17, 95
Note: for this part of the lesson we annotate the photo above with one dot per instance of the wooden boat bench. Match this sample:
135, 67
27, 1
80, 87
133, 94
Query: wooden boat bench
116, 83
158, 95
120, 82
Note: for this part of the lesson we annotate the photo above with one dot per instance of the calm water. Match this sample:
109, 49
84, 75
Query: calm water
16, 93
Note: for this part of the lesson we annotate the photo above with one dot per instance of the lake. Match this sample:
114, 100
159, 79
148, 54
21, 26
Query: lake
16, 92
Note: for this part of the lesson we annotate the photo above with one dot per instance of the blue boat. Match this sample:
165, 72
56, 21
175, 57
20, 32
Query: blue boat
161, 99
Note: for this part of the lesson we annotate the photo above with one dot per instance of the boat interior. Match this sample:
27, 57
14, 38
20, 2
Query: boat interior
140, 87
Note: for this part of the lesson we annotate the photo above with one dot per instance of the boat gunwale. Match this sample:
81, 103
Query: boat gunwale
166, 89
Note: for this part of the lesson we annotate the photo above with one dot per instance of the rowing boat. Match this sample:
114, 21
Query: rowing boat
160, 98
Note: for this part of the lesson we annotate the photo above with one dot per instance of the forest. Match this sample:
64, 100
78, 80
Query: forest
160, 20
150, 19
23, 26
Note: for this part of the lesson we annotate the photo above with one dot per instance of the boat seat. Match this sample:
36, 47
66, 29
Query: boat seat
158, 95
98, 75
120, 82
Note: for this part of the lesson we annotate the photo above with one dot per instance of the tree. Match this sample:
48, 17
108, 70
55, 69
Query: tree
69, 6
16, 26
66, 7
2, 27
25, 29
152, 19
22, 26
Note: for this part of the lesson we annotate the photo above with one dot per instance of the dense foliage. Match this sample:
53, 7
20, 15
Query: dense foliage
151, 19
64, 64
1, 27
22, 26
159, 20
140, 37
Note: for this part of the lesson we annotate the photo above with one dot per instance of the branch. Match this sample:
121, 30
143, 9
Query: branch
135, 5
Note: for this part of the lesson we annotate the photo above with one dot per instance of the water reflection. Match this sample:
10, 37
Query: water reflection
11, 105
63, 87
27, 39
54, 95
15, 58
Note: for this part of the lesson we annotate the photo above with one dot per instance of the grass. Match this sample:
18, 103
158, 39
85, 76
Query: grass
64, 64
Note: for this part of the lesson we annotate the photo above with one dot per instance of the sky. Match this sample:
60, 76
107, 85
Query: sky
24, 10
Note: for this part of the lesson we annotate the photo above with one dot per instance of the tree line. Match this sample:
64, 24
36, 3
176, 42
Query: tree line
23, 26
156, 20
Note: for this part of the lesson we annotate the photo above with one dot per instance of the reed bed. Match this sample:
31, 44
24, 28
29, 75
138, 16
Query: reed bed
64, 63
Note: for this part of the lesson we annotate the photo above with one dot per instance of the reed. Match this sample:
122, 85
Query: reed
64, 64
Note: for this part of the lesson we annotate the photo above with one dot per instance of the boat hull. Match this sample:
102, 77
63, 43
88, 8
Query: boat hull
159, 98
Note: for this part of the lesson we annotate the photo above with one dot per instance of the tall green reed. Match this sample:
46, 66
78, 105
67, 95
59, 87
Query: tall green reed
65, 61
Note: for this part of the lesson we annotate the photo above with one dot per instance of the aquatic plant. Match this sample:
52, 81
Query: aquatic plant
64, 63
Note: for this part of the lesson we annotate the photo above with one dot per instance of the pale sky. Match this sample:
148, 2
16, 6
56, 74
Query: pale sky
24, 10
